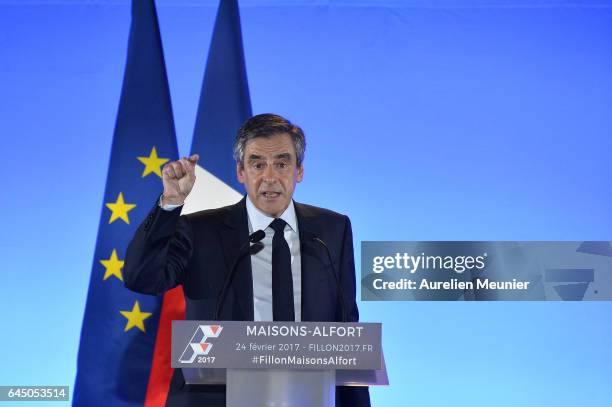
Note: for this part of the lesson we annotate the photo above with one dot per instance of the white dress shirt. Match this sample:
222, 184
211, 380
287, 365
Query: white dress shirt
261, 262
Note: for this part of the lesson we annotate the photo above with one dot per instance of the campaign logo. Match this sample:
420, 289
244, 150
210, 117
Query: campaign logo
197, 345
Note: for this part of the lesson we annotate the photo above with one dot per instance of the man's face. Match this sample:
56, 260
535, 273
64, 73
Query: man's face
270, 172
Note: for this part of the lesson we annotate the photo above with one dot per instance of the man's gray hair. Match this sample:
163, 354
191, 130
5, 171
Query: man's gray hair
268, 125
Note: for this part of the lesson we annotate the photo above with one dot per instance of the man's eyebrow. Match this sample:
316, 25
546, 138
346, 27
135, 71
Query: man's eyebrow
283, 156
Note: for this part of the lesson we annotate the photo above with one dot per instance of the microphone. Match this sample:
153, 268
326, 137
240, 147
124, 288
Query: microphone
311, 236
254, 238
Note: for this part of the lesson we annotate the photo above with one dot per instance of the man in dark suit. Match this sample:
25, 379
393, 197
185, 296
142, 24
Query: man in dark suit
289, 278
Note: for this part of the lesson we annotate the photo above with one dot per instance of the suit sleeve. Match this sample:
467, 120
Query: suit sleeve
347, 273
350, 396
159, 252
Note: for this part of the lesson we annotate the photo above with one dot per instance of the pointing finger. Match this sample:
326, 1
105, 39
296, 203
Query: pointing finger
188, 165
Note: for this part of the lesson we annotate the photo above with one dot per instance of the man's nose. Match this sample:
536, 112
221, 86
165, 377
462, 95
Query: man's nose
269, 174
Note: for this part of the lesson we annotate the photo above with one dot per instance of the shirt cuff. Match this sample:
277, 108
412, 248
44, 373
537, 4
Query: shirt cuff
168, 207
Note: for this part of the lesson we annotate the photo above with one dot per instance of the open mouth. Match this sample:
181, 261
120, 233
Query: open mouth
270, 194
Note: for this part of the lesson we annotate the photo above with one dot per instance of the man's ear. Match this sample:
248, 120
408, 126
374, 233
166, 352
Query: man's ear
240, 172
300, 173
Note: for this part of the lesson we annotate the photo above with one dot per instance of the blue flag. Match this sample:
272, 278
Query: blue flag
119, 326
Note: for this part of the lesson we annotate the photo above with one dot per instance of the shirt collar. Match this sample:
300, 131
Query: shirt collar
259, 220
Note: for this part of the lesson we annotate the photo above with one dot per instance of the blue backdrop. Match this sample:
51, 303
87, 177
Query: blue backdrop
425, 120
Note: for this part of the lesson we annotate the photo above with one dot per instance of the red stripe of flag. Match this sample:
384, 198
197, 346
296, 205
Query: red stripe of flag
173, 308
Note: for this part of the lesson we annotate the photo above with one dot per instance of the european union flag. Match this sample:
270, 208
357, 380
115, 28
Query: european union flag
120, 327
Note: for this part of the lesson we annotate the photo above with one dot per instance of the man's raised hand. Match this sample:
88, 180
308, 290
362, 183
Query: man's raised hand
178, 178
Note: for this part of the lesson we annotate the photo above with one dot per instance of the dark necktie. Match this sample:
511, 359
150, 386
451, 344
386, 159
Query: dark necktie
282, 282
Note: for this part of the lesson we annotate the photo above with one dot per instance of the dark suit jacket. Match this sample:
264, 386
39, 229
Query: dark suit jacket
197, 251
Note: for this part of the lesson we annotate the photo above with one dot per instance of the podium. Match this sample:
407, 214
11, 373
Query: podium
279, 363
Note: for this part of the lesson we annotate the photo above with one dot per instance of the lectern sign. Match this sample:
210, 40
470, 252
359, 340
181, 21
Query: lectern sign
285, 345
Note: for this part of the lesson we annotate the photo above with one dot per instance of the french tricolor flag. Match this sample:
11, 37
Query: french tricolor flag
224, 105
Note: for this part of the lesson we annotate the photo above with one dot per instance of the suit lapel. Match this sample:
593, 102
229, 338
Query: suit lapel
311, 260
234, 236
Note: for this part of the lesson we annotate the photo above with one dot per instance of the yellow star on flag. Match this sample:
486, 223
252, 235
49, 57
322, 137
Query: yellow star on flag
120, 209
135, 318
113, 266
152, 163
